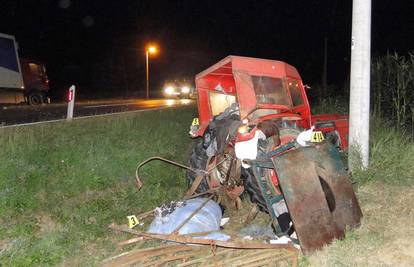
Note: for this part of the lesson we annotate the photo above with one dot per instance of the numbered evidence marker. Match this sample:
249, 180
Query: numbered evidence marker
195, 122
132, 221
317, 137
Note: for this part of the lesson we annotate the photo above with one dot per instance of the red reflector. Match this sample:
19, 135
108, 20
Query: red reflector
70, 95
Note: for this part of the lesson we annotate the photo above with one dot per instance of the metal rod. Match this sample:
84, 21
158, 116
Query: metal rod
197, 171
138, 179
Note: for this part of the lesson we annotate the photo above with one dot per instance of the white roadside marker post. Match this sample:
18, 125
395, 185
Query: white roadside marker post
71, 102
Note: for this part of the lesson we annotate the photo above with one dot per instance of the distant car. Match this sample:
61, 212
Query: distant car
178, 89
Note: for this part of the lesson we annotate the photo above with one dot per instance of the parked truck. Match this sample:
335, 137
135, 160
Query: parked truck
21, 80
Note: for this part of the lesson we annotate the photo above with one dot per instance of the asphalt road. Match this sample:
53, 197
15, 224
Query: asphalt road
18, 114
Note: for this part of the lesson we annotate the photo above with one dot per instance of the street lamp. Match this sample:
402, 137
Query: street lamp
151, 49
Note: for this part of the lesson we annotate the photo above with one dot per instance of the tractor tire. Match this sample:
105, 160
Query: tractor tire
35, 99
198, 161
264, 146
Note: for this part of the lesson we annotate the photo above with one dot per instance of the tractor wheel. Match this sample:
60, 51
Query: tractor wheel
199, 161
35, 99
265, 146
224, 175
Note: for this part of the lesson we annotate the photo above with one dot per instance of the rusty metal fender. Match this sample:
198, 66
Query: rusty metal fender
318, 194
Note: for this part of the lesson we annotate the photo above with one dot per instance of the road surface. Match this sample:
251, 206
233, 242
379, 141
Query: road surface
18, 114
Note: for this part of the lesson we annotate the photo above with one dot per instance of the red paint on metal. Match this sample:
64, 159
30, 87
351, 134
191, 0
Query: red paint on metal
340, 123
233, 76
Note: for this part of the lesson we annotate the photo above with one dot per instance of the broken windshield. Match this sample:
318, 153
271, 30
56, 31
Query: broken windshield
219, 102
270, 91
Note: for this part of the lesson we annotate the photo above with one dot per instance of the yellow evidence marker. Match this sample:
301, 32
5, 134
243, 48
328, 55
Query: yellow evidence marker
195, 122
317, 137
132, 221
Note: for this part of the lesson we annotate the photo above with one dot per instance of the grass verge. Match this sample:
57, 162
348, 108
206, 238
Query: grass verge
61, 184
386, 193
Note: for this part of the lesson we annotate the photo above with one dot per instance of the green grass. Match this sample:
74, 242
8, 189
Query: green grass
61, 184
331, 105
391, 156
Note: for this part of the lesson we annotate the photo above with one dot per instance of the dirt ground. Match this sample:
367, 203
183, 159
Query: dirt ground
386, 233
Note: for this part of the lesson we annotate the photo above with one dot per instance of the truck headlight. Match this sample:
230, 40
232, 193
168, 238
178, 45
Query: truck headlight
169, 90
185, 89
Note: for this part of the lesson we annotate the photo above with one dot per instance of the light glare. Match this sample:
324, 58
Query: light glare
169, 90
185, 89
152, 49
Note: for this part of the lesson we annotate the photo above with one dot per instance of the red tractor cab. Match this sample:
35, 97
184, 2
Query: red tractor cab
263, 90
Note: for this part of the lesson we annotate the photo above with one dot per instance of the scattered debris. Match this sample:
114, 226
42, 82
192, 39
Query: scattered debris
166, 209
218, 248
281, 240
224, 221
182, 255
258, 231
234, 252
189, 239
131, 241
192, 216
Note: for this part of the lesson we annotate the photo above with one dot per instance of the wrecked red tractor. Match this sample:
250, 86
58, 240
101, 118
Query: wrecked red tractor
255, 133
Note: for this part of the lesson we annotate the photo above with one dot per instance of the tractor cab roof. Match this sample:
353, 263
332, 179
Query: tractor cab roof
253, 66
253, 84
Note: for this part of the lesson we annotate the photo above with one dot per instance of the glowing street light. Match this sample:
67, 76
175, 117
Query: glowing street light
151, 49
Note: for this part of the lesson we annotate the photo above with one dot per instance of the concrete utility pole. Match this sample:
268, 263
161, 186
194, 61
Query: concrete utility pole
360, 84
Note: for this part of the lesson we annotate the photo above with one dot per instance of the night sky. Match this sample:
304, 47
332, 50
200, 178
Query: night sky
100, 44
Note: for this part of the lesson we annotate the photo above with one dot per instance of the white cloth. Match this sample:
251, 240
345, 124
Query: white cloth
305, 137
248, 149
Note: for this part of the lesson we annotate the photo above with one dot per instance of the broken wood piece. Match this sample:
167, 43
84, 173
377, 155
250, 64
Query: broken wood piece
210, 242
131, 241
143, 255
145, 215
252, 214
184, 255
194, 185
